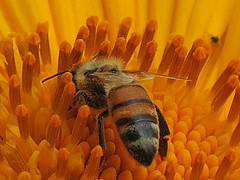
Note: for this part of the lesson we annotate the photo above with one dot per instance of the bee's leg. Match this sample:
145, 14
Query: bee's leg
164, 131
101, 132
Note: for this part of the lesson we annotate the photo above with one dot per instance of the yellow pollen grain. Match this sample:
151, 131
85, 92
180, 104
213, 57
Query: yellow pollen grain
225, 92
192, 146
201, 129
90, 42
125, 175
230, 69
180, 136
124, 27
155, 174
184, 158
178, 147
42, 31
77, 52
187, 120
33, 47
14, 92
178, 59
109, 173
22, 118
205, 147
225, 165
109, 134
53, 130
63, 57
212, 161
28, 71
132, 43
235, 138
83, 33
235, 108
102, 30
119, 47
110, 149
148, 55
181, 126
148, 35
62, 158
181, 170
140, 173
195, 136
167, 59
213, 143
113, 161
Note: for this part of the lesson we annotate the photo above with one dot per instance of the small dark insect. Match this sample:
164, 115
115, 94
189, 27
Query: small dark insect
214, 39
102, 84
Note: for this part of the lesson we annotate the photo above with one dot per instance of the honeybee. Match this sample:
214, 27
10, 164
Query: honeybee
103, 84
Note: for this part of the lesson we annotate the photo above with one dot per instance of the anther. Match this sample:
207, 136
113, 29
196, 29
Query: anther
178, 59
62, 159
167, 59
170, 170
230, 69
27, 72
148, 56
63, 57
119, 47
198, 56
22, 44
235, 108
66, 99
148, 35
124, 27
235, 138
79, 124
225, 165
225, 92
14, 92
187, 63
33, 47
198, 166
65, 79
42, 31
102, 30
105, 50
132, 43
22, 118
92, 169
90, 42
77, 52
83, 33
53, 130
9, 55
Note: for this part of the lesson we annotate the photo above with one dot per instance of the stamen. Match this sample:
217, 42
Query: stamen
101, 35
22, 118
235, 138
65, 79
105, 50
77, 52
178, 59
170, 170
132, 43
119, 48
148, 56
125, 175
113, 161
109, 173
92, 169
90, 42
33, 47
14, 158
187, 64
148, 35
14, 92
27, 72
225, 165
63, 156
124, 27
66, 99
9, 55
235, 108
140, 172
42, 31
53, 130
230, 69
83, 33
22, 44
63, 57
198, 166
79, 124
198, 56
225, 92
167, 59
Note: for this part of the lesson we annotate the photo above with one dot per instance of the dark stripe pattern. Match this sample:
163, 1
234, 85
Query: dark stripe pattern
136, 118
129, 102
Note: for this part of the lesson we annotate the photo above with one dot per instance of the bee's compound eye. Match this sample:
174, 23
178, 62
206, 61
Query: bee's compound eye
109, 68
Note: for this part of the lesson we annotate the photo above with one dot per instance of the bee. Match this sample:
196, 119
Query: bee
103, 84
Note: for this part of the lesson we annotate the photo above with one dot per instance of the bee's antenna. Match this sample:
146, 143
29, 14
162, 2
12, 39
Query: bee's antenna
57, 74
94, 57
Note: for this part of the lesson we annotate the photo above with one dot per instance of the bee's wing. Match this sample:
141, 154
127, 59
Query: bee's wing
140, 75
116, 78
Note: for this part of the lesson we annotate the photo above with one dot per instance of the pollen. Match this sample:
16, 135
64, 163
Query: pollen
124, 27
102, 31
119, 47
14, 92
63, 57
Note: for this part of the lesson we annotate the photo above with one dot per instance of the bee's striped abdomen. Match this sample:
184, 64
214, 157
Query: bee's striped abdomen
136, 120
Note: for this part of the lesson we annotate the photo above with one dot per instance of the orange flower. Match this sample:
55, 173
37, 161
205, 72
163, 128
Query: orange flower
41, 138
